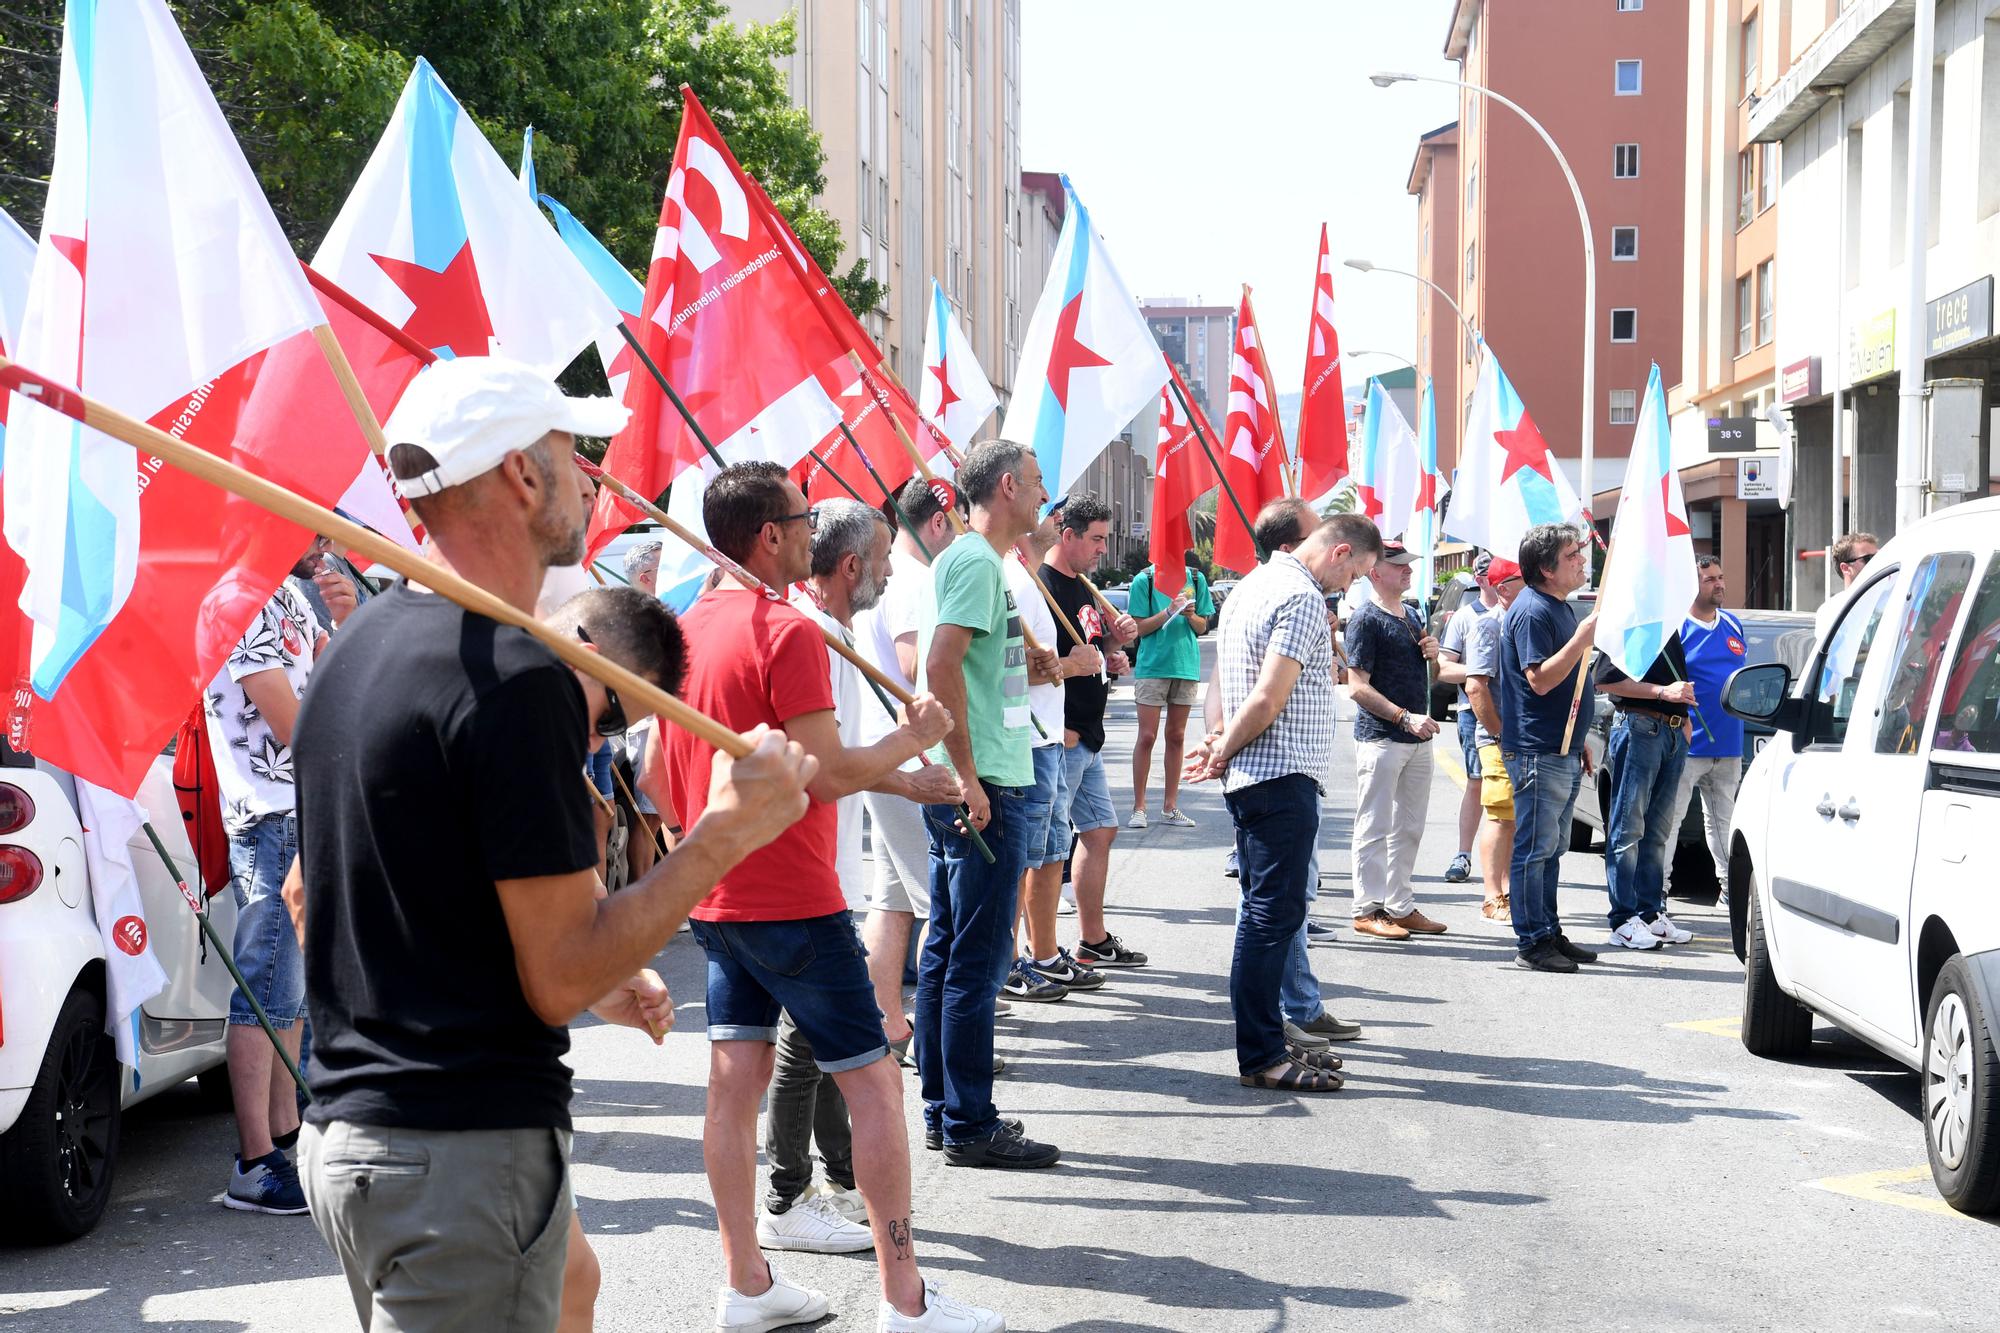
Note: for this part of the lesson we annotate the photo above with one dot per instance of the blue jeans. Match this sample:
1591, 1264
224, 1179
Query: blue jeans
266, 946
1277, 823
1545, 787
965, 954
813, 969
1646, 757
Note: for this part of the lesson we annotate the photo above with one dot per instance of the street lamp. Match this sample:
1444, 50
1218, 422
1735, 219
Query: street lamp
1391, 355
1365, 266
1382, 79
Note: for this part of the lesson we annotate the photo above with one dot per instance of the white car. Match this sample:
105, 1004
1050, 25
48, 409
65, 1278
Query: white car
1864, 870
62, 1089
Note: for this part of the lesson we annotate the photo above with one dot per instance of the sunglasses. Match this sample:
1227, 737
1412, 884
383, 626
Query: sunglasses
611, 722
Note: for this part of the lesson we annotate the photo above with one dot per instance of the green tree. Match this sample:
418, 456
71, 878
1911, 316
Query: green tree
309, 84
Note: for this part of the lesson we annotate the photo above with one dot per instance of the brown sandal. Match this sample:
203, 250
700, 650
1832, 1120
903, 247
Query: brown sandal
1295, 1077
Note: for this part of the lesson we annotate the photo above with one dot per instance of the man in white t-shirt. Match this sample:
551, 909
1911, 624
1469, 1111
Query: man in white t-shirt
1046, 972
886, 634
1451, 671
251, 706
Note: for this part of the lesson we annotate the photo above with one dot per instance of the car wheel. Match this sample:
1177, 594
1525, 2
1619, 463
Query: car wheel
1961, 1078
56, 1162
1774, 1024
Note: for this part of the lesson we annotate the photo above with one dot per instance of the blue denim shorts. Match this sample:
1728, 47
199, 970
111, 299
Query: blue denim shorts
1468, 744
814, 969
1046, 809
1089, 791
266, 946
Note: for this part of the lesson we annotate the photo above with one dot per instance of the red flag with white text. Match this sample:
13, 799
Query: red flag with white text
1252, 462
1323, 408
1182, 474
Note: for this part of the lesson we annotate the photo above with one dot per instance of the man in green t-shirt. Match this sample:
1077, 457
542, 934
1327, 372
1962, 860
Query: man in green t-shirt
1168, 677
972, 657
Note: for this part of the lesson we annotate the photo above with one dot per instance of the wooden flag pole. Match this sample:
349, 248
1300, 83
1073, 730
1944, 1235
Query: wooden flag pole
316, 518
357, 402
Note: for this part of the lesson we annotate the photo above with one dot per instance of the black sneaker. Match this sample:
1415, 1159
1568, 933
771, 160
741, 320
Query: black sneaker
1318, 932
934, 1138
1006, 1149
1026, 982
1066, 972
1108, 952
1544, 956
1575, 953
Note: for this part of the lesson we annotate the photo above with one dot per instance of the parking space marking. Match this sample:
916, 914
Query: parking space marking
1874, 1187
1714, 1027
1448, 757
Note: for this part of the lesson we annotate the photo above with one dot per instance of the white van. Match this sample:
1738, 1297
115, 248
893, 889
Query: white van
1865, 862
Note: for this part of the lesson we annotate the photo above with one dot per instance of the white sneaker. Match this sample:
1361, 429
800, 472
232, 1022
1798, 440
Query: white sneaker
1138, 819
1066, 905
781, 1307
815, 1226
1177, 819
1667, 932
1635, 934
941, 1314
848, 1203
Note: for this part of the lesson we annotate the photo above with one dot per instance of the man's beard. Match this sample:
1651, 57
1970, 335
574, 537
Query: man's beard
557, 543
867, 594
306, 567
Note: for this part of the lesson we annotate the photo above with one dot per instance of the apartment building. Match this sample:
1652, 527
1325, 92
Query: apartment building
1841, 115
1441, 342
1608, 79
918, 106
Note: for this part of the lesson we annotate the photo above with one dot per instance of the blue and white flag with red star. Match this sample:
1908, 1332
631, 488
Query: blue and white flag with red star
1431, 491
1649, 574
1387, 469
1507, 480
17, 262
440, 238
1089, 364
955, 395
612, 278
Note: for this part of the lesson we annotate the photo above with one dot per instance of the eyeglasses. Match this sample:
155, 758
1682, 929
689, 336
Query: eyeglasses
810, 518
611, 722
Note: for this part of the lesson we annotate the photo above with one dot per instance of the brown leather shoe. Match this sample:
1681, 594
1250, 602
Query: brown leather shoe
1380, 926
1416, 923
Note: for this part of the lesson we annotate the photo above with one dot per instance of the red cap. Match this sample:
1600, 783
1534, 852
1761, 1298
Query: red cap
1500, 571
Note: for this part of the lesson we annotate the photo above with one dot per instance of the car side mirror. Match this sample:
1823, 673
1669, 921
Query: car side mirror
1763, 694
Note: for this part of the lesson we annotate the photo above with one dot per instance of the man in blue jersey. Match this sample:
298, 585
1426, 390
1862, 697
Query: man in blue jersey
1714, 643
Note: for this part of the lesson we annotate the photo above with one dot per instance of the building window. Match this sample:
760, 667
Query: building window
1746, 314
1626, 80
1625, 161
1471, 262
1472, 190
1624, 406
1625, 325
1747, 54
1624, 242
1767, 177
1766, 302
1631, 6
1746, 187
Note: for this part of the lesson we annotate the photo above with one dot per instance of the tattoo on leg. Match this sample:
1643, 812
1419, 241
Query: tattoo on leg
899, 1236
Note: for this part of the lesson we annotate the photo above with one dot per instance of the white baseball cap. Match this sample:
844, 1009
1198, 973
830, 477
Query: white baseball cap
471, 412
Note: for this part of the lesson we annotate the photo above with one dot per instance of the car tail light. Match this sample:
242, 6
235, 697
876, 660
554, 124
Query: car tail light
20, 873
17, 809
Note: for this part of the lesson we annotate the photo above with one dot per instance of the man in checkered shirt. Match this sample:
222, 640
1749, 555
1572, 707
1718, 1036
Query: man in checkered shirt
1275, 668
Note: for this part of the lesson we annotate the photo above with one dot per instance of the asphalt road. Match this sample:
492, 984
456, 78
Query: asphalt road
1511, 1150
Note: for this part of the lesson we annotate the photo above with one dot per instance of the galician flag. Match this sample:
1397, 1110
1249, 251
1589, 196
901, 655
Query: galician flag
955, 395
1322, 438
439, 236
612, 278
1387, 471
1088, 364
1507, 480
163, 287
1431, 490
17, 265
1649, 573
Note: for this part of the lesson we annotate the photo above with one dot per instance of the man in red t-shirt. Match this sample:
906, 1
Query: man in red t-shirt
776, 928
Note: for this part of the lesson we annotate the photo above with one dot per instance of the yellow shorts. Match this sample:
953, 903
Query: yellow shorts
1496, 790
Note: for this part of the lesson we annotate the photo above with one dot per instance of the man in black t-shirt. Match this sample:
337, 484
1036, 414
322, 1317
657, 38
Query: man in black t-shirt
447, 868
1084, 531
1647, 751
1388, 675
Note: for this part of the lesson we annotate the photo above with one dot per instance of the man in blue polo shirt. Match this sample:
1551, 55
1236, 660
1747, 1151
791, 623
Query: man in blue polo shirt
1542, 645
1714, 643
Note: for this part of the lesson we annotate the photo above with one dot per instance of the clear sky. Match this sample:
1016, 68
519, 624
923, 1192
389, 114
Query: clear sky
1209, 141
